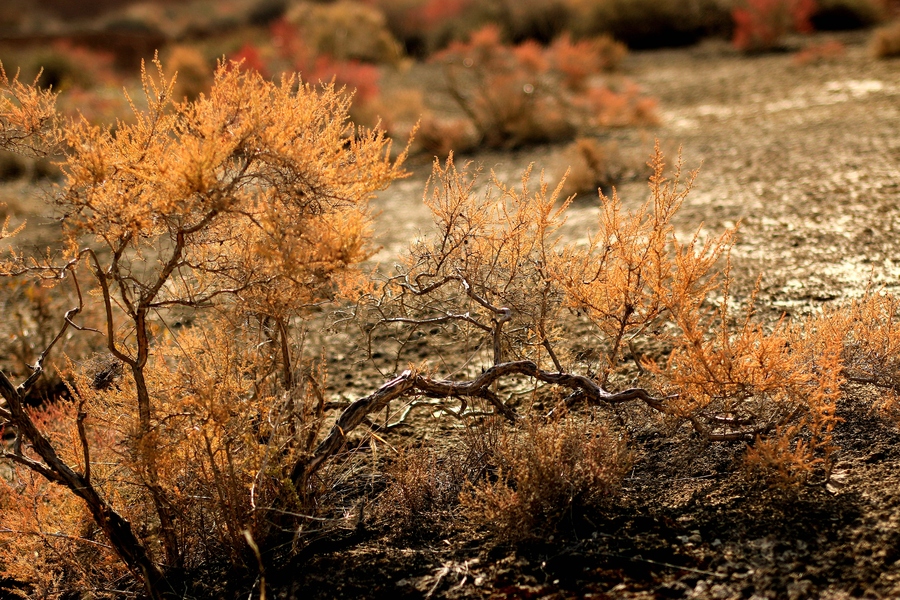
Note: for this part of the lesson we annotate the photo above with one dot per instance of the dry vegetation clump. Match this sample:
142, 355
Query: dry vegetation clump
548, 471
523, 94
424, 483
345, 30
761, 25
886, 41
247, 205
591, 165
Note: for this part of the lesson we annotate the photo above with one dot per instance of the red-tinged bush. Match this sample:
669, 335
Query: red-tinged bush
250, 58
762, 24
358, 77
291, 54
527, 93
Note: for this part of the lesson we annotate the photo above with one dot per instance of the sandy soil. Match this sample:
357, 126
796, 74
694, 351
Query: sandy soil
807, 159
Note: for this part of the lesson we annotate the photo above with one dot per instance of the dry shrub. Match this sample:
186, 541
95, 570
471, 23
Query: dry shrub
345, 30
525, 94
871, 330
441, 136
762, 24
591, 165
233, 213
546, 472
194, 71
48, 541
425, 483
784, 379
886, 41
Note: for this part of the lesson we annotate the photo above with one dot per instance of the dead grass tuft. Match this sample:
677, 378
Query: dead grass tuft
546, 472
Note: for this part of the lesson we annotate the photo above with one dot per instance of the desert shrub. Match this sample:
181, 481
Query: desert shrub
242, 208
424, 483
289, 53
496, 277
871, 345
886, 41
194, 72
527, 93
590, 165
48, 541
547, 472
762, 24
344, 30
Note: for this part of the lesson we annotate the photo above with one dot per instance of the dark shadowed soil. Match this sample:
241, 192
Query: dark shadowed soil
807, 159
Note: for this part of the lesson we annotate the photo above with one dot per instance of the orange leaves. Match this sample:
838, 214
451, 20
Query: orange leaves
27, 117
273, 172
635, 269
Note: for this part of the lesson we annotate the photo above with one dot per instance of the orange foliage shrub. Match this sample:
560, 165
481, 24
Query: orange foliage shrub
250, 203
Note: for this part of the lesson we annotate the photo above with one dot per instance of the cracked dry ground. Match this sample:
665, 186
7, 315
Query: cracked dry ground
807, 159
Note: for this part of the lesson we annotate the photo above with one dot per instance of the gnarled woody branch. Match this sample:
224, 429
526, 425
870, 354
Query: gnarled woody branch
410, 382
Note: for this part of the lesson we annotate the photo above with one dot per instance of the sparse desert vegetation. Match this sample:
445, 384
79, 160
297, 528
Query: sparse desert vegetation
402, 298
